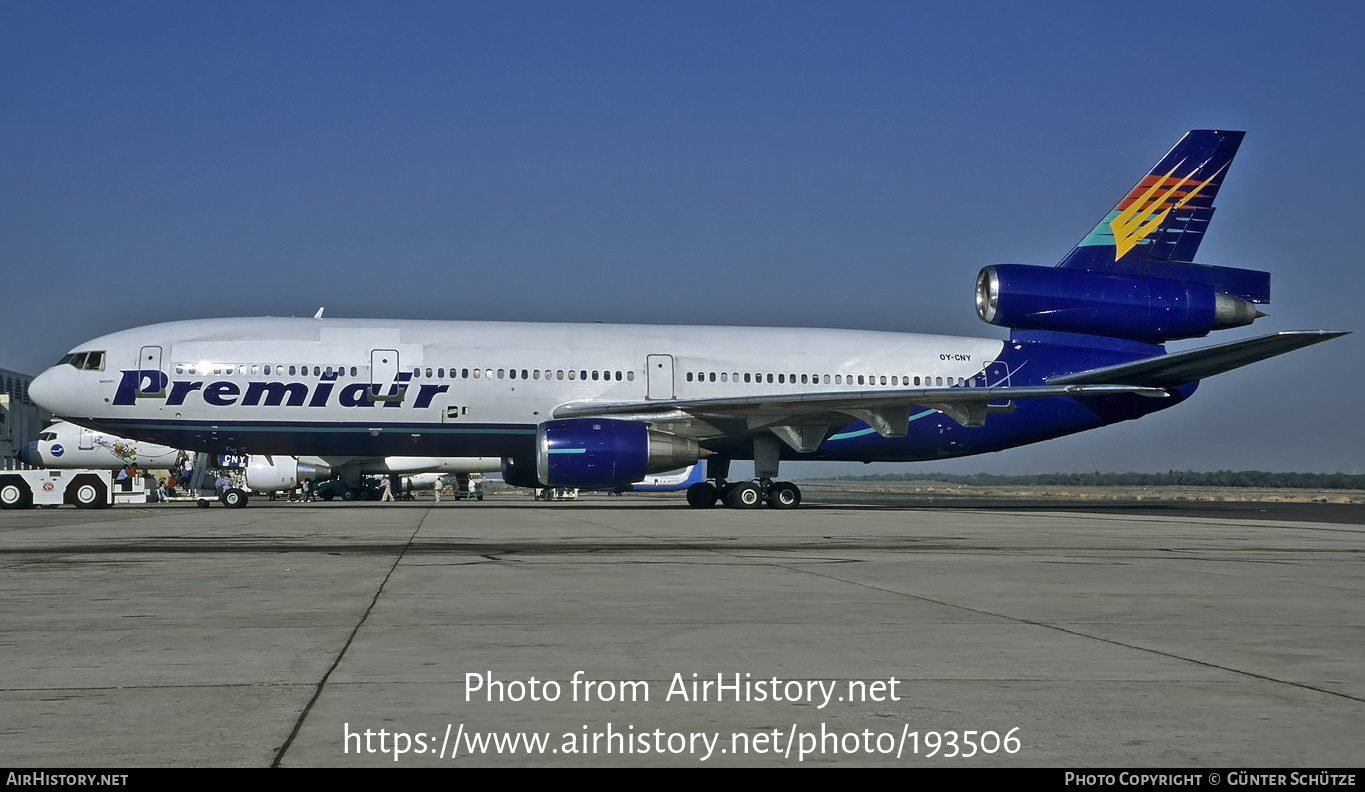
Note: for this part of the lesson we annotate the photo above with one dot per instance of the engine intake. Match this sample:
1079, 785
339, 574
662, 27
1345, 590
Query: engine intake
1135, 307
591, 453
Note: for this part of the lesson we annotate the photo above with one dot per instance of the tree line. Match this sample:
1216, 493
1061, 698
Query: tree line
1171, 478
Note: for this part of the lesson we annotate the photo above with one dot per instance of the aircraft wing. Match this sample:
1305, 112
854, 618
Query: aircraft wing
1168, 371
804, 420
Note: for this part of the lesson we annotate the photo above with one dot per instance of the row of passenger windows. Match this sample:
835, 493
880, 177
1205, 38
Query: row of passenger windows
418, 372
596, 375
896, 380
229, 369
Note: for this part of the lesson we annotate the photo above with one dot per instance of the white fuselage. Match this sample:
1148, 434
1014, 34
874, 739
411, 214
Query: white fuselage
474, 373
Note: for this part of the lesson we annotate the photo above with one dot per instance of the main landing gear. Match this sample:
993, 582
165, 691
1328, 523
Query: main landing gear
745, 494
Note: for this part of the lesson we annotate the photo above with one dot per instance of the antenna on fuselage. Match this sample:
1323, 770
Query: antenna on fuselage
318, 315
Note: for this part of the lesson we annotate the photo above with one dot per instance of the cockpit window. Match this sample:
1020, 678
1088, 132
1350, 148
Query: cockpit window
67, 358
85, 361
48, 436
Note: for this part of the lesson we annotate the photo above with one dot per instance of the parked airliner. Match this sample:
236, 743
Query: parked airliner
66, 445
596, 406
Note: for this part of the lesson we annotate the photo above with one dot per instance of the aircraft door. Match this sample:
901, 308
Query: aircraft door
152, 380
659, 377
383, 372
87, 441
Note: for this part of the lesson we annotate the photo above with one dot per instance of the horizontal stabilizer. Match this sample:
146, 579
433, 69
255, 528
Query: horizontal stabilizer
1167, 371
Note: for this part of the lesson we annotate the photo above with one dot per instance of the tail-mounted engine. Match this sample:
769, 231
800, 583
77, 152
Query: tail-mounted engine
1136, 307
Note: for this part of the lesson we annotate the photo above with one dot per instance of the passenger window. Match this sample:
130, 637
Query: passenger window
500, 373
573, 374
559, 374
523, 373
630, 376
476, 373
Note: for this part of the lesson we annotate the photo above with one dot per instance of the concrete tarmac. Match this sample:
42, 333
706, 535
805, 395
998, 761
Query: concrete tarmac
1161, 637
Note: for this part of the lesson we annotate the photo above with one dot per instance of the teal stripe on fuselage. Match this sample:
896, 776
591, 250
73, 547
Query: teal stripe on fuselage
869, 430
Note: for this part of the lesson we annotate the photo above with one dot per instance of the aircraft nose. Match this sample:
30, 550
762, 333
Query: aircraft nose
28, 454
42, 390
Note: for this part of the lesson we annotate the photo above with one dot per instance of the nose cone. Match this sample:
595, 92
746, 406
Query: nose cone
46, 390
29, 453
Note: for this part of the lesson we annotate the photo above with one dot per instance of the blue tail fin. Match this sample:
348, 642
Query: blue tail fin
1156, 229
1164, 216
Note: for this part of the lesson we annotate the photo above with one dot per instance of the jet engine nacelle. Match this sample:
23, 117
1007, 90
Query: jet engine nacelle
1136, 307
520, 472
271, 474
591, 453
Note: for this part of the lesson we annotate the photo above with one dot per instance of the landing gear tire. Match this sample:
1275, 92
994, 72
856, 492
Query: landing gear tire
349, 495
702, 495
784, 495
745, 495
14, 495
88, 495
234, 498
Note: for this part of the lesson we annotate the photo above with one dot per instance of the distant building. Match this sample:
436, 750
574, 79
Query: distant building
20, 419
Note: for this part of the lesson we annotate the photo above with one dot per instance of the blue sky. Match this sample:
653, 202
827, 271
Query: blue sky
817, 164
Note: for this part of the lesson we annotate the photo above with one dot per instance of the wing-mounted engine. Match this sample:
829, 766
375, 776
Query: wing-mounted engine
271, 474
1135, 307
591, 453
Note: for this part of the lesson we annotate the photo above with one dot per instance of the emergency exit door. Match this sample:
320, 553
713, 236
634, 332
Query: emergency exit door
659, 377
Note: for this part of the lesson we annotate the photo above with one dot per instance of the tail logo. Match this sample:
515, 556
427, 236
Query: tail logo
1140, 217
